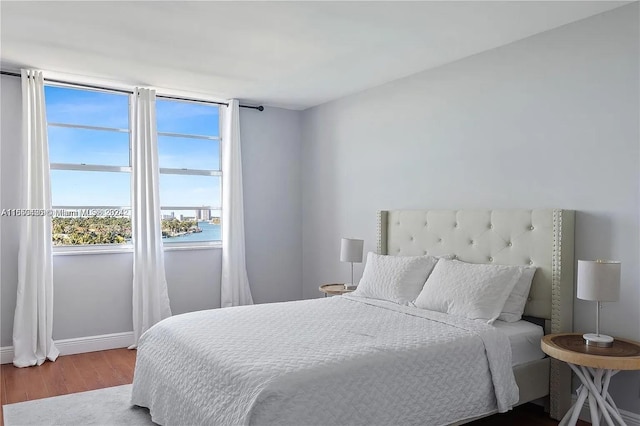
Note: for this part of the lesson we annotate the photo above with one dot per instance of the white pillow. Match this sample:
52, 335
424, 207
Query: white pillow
395, 278
514, 306
475, 291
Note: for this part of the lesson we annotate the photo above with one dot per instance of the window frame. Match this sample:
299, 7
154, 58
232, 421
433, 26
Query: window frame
193, 172
92, 248
128, 247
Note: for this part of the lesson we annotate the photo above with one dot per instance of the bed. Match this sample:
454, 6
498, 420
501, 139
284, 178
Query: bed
355, 360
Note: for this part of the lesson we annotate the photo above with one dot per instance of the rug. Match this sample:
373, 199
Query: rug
108, 407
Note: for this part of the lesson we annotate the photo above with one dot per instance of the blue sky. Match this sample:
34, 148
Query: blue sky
76, 146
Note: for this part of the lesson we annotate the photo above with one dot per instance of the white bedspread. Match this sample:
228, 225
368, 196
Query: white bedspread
331, 361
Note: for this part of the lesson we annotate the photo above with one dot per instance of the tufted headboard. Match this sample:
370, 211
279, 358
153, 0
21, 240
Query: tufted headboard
543, 238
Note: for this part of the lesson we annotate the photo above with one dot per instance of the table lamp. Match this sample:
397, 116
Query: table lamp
598, 280
351, 251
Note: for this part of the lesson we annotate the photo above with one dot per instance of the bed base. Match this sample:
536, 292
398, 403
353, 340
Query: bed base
533, 381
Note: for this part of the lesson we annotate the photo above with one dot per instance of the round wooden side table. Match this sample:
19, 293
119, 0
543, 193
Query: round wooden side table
334, 289
594, 367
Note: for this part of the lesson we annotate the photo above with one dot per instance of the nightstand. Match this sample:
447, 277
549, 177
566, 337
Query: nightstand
594, 367
333, 289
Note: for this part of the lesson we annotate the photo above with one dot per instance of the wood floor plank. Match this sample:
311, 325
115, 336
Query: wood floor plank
129, 355
103, 365
53, 376
35, 385
90, 376
120, 362
16, 380
3, 397
3, 386
72, 378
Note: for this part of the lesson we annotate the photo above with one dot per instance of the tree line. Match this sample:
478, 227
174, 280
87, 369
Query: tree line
108, 230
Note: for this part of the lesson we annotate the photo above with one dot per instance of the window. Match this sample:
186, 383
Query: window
89, 152
190, 170
90, 156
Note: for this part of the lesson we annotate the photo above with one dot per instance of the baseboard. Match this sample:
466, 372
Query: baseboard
6, 354
79, 345
631, 419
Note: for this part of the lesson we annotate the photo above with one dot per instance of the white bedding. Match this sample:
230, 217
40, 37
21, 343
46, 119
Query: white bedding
337, 360
524, 338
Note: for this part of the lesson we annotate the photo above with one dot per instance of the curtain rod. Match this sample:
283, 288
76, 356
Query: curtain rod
129, 92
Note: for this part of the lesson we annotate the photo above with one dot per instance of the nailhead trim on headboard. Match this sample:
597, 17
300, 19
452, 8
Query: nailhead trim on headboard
555, 379
561, 300
556, 262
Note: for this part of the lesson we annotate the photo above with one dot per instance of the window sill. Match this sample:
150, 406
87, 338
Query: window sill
90, 250
93, 249
193, 246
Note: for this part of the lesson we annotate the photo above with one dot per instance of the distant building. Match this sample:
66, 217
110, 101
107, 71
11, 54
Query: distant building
203, 215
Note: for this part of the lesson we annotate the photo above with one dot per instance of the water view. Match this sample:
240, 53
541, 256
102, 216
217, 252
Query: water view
117, 230
210, 232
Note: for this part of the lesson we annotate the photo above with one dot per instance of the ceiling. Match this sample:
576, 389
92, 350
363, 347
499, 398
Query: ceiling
294, 54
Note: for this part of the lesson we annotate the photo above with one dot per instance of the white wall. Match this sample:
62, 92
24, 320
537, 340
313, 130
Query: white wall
92, 293
549, 121
10, 116
271, 152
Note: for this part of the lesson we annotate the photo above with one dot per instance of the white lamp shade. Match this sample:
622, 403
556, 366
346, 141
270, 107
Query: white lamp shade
351, 250
599, 280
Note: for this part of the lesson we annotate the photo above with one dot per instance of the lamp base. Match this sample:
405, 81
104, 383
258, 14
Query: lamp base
598, 340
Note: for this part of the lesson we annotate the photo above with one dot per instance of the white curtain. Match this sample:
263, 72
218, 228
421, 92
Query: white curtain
150, 297
234, 288
33, 320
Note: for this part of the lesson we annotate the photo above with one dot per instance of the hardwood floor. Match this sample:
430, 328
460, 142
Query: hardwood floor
95, 370
524, 415
69, 374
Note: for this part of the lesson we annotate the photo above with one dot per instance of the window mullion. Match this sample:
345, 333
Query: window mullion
89, 167
190, 172
82, 126
189, 136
